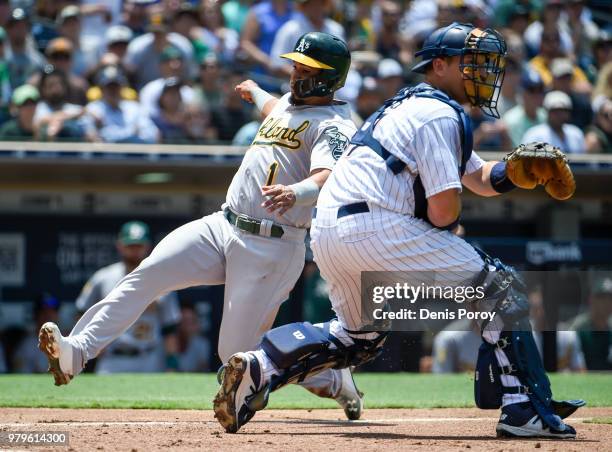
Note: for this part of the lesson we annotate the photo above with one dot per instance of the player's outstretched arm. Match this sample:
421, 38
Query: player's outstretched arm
479, 181
527, 166
540, 163
282, 197
252, 93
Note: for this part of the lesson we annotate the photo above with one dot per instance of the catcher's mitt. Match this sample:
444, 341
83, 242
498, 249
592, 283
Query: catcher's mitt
541, 164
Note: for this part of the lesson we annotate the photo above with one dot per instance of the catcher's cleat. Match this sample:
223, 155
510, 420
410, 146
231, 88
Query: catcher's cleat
238, 398
350, 398
58, 352
521, 420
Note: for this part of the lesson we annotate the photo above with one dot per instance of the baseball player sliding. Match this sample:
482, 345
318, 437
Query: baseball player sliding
255, 245
390, 204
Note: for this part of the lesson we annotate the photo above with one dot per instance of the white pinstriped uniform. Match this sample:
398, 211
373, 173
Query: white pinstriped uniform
425, 134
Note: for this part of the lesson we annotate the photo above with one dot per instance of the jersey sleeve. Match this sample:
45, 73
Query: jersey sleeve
474, 163
436, 147
169, 310
283, 101
331, 141
90, 294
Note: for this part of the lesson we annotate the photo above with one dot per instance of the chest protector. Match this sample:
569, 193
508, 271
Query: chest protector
365, 137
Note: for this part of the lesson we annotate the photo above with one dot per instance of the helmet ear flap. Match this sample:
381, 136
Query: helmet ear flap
320, 85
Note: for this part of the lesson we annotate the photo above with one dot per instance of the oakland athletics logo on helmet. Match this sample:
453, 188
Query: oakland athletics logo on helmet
302, 46
322, 51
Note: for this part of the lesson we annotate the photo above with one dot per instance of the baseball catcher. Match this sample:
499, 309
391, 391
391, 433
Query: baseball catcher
391, 204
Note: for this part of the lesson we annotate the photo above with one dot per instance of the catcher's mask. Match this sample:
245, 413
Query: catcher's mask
325, 52
482, 60
482, 65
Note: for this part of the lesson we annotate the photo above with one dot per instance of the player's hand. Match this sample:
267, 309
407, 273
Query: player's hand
244, 89
280, 197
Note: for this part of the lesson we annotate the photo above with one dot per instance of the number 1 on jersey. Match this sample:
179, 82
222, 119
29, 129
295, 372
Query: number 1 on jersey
272, 173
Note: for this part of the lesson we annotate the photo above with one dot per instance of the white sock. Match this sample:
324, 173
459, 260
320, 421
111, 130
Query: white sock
267, 367
72, 359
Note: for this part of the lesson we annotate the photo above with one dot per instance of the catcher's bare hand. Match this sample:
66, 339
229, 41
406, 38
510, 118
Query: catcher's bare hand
244, 89
541, 163
280, 197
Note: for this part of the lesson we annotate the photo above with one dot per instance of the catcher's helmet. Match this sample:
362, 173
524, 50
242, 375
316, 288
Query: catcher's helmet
325, 52
482, 61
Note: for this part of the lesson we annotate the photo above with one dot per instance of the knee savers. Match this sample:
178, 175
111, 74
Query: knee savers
295, 342
300, 349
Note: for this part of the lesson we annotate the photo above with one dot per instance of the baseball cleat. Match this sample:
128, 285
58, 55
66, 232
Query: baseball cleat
521, 420
350, 398
240, 382
58, 352
220, 372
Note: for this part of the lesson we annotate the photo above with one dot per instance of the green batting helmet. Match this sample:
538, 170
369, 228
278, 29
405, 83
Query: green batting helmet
325, 52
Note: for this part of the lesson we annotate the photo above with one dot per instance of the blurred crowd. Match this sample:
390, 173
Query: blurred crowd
164, 71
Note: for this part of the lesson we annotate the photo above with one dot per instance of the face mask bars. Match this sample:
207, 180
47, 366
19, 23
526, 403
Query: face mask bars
483, 65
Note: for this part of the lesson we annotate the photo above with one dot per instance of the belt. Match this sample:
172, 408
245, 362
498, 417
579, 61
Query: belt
246, 223
350, 209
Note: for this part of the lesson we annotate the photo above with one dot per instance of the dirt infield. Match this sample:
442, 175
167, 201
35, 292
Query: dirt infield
295, 430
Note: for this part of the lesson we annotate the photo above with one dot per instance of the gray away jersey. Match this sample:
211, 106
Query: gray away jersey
291, 142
